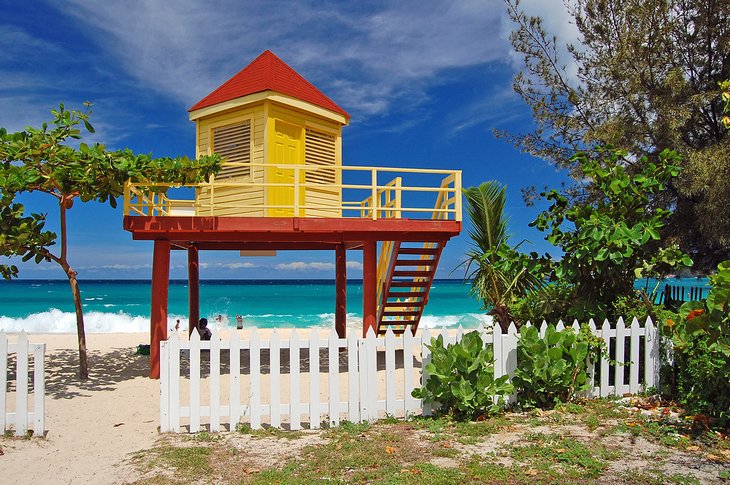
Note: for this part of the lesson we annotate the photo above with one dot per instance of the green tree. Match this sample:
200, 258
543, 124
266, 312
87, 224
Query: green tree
611, 240
499, 273
643, 76
41, 160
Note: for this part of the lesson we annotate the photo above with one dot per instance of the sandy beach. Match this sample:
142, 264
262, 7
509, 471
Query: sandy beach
92, 426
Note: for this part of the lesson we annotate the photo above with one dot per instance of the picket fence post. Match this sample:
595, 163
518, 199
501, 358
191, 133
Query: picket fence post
411, 403
425, 360
215, 388
234, 393
255, 379
295, 409
333, 368
353, 382
3, 380
174, 377
634, 346
371, 354
315, 415
164, 387
651, 354
390, 372
275, 379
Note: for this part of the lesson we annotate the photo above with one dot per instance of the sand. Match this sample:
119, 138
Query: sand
93, 426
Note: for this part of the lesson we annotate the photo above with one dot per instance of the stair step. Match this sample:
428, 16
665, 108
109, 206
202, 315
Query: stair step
409, 284
418, 250
406, 294
395, 323
415, 262
400, 314
403, 304
425, 274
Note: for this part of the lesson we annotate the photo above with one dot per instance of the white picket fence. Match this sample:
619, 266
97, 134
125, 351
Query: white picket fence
364, 378
630, 372
16, 392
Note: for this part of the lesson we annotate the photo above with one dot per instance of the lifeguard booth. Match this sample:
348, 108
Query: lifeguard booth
283, 186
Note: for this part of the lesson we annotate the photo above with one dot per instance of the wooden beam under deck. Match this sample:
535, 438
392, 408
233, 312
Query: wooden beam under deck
287, 230
158, 311
263, 246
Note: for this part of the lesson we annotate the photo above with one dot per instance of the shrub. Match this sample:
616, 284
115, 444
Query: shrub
701, 338
551, 369
549, 303
630, 307
702, 379
607, 238
461, 378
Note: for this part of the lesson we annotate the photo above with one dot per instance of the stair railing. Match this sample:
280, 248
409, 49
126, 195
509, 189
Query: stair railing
385, 262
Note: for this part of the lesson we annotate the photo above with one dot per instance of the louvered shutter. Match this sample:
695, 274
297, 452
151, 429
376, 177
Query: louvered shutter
320, 150
233, 144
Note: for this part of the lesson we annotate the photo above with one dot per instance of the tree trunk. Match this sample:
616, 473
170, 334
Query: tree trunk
502, 315
66, 202
83, 360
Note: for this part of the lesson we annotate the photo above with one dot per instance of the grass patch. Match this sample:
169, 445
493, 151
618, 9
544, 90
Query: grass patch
270, 432
185, 462
561, 457
657, 477
679, 434
438, 450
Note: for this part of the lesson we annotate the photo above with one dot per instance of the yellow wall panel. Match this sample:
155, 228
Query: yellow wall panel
264, 117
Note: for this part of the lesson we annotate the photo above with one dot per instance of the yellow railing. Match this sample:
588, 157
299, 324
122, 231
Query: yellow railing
145, 202
443, 201
386, 253
314, 191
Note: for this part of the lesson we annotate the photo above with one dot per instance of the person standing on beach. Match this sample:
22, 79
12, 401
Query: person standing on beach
203, 329
239, 322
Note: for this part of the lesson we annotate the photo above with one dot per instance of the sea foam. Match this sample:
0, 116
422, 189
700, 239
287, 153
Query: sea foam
56, 321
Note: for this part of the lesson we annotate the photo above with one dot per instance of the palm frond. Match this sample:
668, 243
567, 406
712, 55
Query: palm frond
485, 206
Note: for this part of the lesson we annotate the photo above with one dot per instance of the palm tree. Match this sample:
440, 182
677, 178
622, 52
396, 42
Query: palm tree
499, 273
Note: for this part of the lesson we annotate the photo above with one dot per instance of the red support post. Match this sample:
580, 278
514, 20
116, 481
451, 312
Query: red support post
341, 291
369, 283
158, 313
193, 289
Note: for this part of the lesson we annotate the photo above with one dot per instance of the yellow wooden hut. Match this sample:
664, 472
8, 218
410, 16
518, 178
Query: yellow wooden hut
272, 127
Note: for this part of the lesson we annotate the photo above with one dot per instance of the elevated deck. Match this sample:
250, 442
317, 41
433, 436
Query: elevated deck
361, 193
405, 215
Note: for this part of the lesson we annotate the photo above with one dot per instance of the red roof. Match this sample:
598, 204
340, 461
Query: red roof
268, 72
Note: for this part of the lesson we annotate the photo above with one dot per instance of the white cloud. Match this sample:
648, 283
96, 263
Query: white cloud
234, 265
365, 56
356, 265
305, 266
118, 267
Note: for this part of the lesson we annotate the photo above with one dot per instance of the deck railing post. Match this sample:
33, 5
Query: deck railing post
212, 188
296, 191
457, 196
127, 196
375, 193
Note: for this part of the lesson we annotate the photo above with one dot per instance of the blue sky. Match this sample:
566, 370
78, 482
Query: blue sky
425, 84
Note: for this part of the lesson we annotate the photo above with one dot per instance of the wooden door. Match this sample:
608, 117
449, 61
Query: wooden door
287, 150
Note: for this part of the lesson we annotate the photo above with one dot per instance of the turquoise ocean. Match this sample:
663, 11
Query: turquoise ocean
112, 306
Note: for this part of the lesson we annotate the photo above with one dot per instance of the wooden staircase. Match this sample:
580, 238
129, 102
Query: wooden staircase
404, 283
